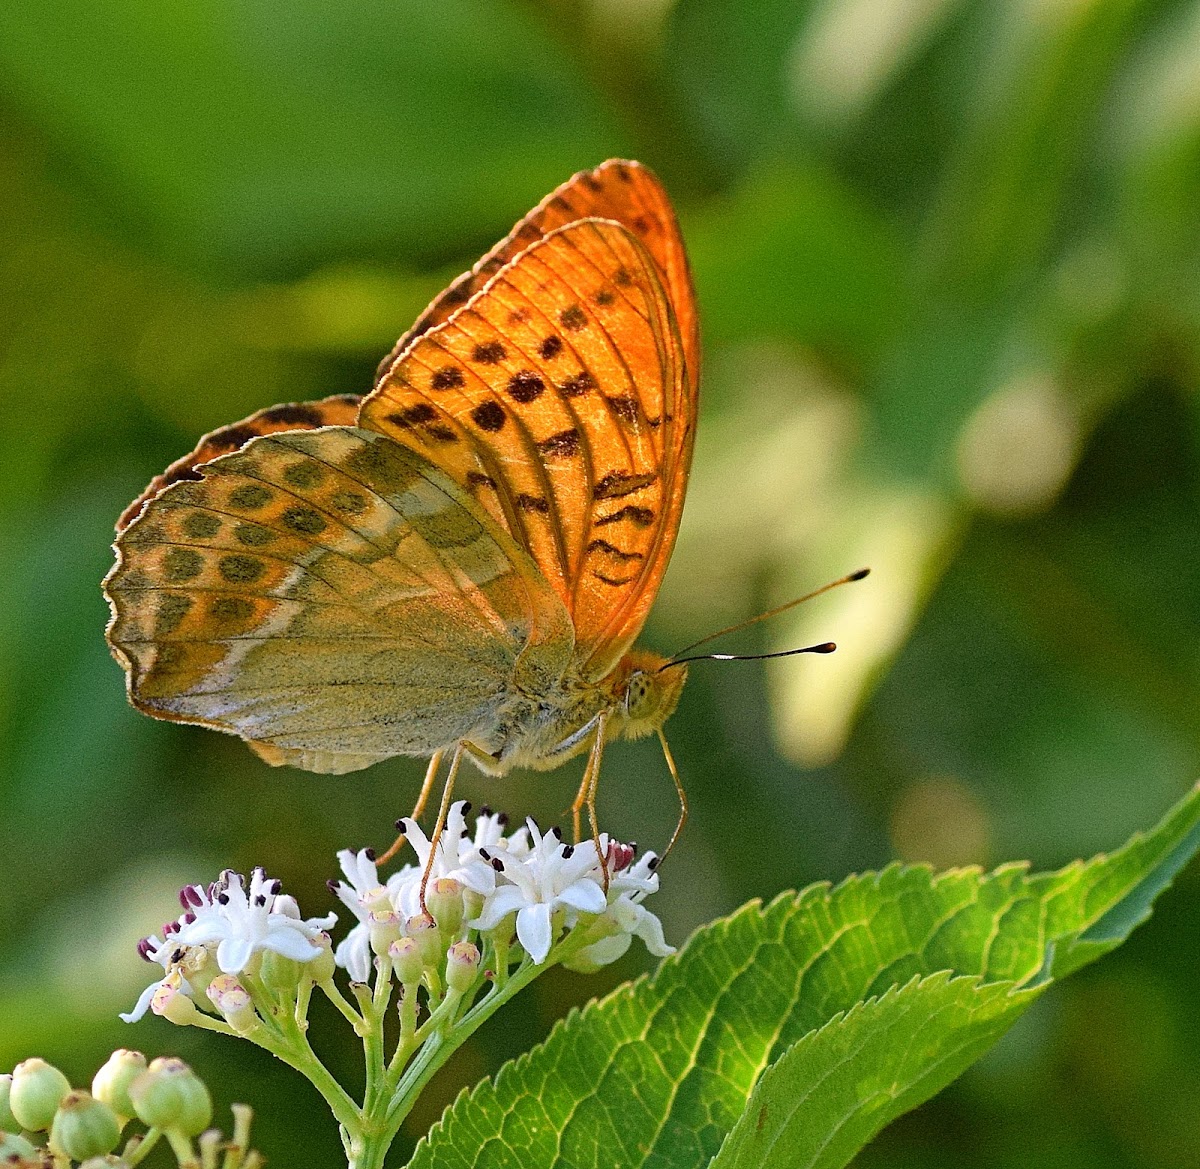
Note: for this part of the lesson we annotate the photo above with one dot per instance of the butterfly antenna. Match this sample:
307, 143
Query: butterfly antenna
827, 647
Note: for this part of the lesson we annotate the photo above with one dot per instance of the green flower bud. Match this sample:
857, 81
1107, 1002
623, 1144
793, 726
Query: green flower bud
8, 1122
280, 972
321, 968
407, 961
384, 925
169, 1095
472, 904
13, 1148
171, 1003
111, 1082
36, 1091
84, 1127
444, 900
462, 964
424, 931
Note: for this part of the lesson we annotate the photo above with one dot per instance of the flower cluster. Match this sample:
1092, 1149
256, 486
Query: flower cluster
223, 929
527, 882
443, 943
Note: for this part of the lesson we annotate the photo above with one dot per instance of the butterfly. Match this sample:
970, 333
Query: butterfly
460, 561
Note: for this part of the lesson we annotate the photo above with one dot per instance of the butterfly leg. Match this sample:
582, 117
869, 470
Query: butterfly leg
418, 807
683, 803
593, 778
443, 810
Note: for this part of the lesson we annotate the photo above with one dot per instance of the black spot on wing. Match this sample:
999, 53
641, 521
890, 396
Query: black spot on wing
446, 378
489, 353
612, 550
489, 416
573, 318
580, 384
524, 386
618, 483
564, 444
640, 517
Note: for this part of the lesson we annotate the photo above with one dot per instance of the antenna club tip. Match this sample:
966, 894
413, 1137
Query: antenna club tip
862, 572
827, 648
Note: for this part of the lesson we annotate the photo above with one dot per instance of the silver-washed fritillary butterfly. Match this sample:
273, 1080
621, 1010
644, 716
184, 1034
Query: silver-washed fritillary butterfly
460, 561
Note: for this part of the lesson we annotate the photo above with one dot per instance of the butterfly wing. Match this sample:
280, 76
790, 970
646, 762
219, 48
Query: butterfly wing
619, 189
339, 410
333, 598
561, 397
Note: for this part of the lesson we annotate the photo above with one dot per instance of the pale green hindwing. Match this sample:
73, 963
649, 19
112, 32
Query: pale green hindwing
332, 597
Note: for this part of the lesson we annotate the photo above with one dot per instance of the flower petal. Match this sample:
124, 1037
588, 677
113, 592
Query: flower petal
533, 931
498, 906
354, 953
142, 1005
289, 942
233, 954
584, 895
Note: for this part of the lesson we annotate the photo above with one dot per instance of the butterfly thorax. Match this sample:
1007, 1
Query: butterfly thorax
541, 731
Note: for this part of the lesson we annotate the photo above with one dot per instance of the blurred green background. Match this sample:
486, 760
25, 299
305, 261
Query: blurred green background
946, 255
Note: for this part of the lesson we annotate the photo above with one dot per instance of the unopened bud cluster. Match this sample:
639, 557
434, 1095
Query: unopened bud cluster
44, 1121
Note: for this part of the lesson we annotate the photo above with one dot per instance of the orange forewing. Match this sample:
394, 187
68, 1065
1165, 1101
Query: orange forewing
561, 396
619, 189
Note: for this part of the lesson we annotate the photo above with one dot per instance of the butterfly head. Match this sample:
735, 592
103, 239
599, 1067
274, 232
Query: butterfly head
650, 693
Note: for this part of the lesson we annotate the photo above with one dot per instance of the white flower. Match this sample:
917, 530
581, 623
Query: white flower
227, 924
550, 877
459, 857
242, 922
167, 954
628, 917
362, 896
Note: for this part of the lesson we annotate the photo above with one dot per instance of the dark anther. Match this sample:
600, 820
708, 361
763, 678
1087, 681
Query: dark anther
260, 900
466, 809
276, 885
568, 851
497, 864
486, 810
556, 832
333, 886
177, 956
188, 918
369, 853
483, 852
400, 824
652, 863
172, 927
223, 898
502, 819
144, 947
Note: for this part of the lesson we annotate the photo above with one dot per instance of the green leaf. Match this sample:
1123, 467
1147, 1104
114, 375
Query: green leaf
836, 1088
661, 1071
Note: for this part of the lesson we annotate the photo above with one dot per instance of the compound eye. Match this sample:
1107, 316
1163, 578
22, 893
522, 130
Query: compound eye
639, 695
